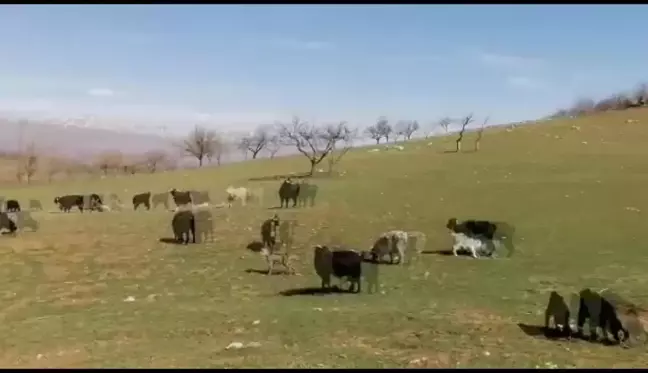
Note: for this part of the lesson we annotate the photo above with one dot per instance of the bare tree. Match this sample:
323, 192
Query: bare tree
257, 141
154, 159
28, 163
480, 133
374, 133
445, 123
464, 123
341, 146
313, 142
273, 146
199, 144
406, 128
219, 149
384, 128
109, 161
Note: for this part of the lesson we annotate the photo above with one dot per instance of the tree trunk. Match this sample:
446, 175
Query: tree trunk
458, 149
312, 168
477, 145
200, 161
377, 141
254, 155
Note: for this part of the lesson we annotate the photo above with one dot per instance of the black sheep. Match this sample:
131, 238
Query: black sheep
288, 191
180, 198
7, 223
183, 224
339, 263
269, 231
66, 202
142, 199
13, 206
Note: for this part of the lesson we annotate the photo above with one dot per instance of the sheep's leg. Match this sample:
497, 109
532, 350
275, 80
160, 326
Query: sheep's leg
455, 250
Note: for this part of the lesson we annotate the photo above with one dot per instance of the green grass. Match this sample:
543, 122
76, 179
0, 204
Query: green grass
63, 288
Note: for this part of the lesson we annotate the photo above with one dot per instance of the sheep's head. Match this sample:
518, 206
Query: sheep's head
452, 223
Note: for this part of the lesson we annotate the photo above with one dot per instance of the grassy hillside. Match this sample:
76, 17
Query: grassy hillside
576, 197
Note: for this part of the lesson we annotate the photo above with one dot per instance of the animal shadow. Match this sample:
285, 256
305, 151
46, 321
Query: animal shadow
314, 291
171, 241
538, 331
446, 252
265, 271
255, 246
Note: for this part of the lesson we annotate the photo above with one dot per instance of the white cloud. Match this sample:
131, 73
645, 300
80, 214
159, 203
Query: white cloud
101, 92
510, 61
303, 45
525, 82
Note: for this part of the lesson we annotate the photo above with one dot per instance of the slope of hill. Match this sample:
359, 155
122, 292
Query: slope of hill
573, 189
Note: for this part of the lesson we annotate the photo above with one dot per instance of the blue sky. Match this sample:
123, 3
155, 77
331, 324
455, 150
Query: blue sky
238, 66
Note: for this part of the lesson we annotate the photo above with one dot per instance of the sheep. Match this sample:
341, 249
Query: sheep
66, 202
495, 232
476, 246
241, 193
395, 243
288, 191
12, 206
274, 257
7, 223
558, 312
339, 263
92, 202
184, 223
142, 199
269, 230
180, 198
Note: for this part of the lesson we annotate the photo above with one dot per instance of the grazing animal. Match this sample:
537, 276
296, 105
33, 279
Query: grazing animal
12, 206
7, 223
199, 197
142, 199
395, 243
160, 199
307, 194
273, 258
339, 263
204, 222
601, 313
558, 312
495, 232
92, 202
476, 246
183, 224
288, 191
66, 202
35, 204
241, 193
180, 198
269, 230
